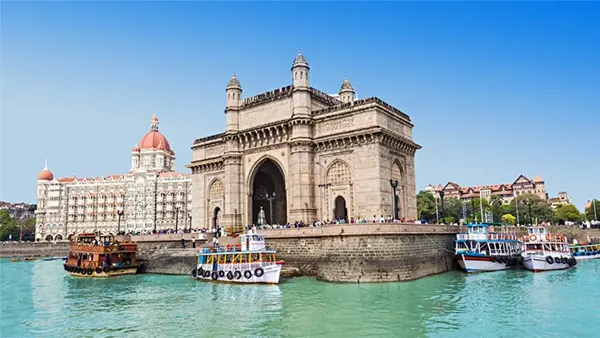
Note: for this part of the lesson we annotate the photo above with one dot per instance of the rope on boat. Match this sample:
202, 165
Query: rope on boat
439, 246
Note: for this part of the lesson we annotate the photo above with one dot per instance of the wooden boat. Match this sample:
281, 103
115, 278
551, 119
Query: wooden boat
250, 262
31, 258
97, 255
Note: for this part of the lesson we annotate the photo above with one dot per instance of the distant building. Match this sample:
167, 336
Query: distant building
18, 210
562, 199
506, 191
151, 196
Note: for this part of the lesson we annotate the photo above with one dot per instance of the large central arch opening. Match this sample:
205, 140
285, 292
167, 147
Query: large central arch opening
268, 193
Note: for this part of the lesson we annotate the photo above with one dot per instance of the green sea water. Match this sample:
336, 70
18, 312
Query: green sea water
39, 299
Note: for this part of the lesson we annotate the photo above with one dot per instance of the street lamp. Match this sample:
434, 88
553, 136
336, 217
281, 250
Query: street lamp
176, 217
190, 220
394, 184
325, 185
270, 199
528, 203
119, 215
443, 210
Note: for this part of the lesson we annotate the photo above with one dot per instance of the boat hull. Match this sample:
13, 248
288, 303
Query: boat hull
480, 263
586, 257
539, 263
270, 275
111, 273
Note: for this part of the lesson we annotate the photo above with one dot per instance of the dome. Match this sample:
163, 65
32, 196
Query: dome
136, 149
300, 60
234, 83
346, 86
154, 139
45, 175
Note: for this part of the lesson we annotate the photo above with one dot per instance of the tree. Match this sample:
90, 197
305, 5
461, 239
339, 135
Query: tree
589, 212
509, 219
13, 226
7, 224
426, 205
496, 207
452, 208
566, 213
540, 209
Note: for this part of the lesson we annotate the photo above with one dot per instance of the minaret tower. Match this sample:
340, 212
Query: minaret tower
232, 157
234, 99
347, 92
301, 160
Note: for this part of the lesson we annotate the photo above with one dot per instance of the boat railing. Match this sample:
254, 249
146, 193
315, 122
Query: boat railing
222, 249
104, 248
548, 237
483, 237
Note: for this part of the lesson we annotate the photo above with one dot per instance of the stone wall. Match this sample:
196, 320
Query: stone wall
366, 253
41, 249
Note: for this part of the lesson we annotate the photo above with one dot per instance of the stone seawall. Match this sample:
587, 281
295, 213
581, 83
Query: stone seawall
44, 249
366, 253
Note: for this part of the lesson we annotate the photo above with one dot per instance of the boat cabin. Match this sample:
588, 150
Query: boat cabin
92, 251
252, 242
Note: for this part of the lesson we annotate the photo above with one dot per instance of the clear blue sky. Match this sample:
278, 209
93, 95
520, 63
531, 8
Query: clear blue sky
494, 89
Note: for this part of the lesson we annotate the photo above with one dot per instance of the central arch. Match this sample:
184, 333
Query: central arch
340, 211
216, 217
267, 179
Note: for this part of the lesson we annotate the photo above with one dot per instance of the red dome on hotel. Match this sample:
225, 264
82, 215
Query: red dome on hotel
45, 175
154, 139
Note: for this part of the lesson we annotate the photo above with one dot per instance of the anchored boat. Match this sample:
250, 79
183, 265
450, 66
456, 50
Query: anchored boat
585, 251
93, 255
544, 251
248, 262
481, 250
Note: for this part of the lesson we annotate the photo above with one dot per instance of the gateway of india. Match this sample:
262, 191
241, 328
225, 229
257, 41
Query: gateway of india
298, 154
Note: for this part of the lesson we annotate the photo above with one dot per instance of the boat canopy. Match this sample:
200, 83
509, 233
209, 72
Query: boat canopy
252, 241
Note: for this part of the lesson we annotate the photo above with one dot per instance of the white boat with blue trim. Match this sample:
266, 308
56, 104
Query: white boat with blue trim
249, 262
479, 249
543, 251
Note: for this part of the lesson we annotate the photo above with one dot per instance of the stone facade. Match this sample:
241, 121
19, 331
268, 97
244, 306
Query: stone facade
150, 196
301, 154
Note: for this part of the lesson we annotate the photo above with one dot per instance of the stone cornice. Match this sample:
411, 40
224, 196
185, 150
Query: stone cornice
208, 165
208, 140
399, 143
348, 140
324, 98
266, 97
378, 102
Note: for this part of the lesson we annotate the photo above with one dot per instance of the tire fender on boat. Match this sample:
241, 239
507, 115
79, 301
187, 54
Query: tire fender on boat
229, 275
247, 274
237, 274
194, 272
207, 273
106, 269
98, 270
214, 275
549, 259
221, 273
259, 272
564, 260
89, 271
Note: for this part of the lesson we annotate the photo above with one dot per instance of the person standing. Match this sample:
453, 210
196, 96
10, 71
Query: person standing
193, 242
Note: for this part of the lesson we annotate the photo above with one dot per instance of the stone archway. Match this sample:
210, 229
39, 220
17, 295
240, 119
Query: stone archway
58, 237
398, 174
268, 191
216, 218
49, 238
340, 211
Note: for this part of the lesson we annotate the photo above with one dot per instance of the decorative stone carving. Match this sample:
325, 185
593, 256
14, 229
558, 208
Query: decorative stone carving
328, 126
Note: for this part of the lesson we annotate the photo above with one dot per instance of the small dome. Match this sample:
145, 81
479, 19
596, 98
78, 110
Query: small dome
45, 175
136, 149
234, 83
346, 86
154, 118
300, 60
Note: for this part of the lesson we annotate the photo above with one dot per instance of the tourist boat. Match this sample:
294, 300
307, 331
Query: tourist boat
544, 251
248, 262
97, 255
481, 250
585, 251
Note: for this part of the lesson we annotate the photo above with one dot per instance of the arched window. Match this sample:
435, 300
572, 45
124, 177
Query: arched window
216, 190
338, 174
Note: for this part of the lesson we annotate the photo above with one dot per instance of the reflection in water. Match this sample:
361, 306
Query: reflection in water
40, 300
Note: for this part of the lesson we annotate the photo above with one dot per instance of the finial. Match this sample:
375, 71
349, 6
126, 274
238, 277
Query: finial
46, 164
299, 51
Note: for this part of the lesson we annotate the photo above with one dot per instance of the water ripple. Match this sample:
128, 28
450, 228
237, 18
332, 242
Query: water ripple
40, 300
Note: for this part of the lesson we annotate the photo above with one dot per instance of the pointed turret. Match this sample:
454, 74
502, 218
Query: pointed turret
234, 100
346, 91
300, 70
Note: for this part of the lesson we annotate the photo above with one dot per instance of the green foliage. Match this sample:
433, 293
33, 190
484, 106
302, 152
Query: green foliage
540, 209
426, 205
509, 219
448, 220
12, 226
566, 213
589, 212
452, 208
